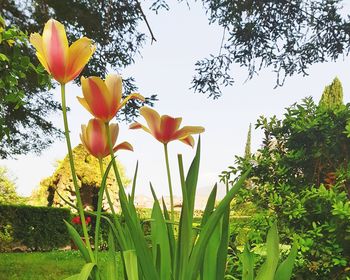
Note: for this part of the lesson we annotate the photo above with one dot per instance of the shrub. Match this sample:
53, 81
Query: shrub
301, 176
37, 228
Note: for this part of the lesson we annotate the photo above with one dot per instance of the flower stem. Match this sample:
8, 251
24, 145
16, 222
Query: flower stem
169, 181
74, 175
110, 145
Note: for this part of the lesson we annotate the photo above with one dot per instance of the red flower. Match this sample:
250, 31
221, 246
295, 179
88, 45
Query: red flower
88, 220
76, 220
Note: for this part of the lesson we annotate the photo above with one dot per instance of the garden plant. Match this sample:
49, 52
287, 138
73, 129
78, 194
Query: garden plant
177, 249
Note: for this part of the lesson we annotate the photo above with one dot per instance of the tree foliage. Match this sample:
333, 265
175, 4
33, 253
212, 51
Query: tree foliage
301, 176
89, 176
25, 102
113, 25
332, 96
286, 36
8, 194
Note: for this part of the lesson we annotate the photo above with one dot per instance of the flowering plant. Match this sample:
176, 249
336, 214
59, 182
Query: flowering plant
178, 250
76, 221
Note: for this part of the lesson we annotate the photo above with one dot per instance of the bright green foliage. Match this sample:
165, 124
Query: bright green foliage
25, 103
301, 175
35, 228
8, 194
269, 270
332, 96
248, 144
197, 253
89, 175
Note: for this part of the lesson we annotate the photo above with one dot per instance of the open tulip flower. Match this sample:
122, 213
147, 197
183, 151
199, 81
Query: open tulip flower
103, 99
94, 138
64, 63
165, 128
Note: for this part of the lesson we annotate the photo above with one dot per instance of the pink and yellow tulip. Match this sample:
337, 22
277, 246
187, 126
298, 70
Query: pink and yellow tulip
64, 63
165, 128
103, 99
94, 138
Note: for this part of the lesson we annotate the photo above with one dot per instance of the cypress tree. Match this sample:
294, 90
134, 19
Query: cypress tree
332, 96
247, 150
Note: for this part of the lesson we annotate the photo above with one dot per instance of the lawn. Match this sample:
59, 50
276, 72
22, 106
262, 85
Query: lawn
55, 265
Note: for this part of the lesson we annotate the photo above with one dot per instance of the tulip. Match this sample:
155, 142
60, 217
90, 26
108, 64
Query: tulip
64, 63
103, 99
94, 138
165, 128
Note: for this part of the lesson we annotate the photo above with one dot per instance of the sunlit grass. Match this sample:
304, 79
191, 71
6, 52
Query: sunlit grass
44, 266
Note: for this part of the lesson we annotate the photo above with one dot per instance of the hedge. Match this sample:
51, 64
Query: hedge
33, 228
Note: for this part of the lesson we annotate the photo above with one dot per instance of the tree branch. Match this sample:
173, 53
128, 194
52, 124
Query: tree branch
146, 21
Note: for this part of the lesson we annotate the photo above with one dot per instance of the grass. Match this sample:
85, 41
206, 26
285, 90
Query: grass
56, 265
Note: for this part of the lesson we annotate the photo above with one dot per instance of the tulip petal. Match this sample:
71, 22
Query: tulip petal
55, 46
137, 125
97, 97
168, 127
187, 130
96, 136
123, 146
131, 96
114, 131
188, 140
79, 54
83, 102
37, 41
114, 84
153, 120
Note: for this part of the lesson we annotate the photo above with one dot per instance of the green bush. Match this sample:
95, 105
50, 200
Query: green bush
301, 176
37, 228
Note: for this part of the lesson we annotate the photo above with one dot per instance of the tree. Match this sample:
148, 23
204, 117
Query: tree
332, 96
113, 25
287, 36
8, 194
89, 176
247, 150
301, 177
25, 102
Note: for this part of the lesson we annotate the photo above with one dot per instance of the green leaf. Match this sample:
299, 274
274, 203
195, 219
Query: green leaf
78, 242
247, 259
136, 233
198, 251
3, 57
86, 271
130, 259
268, 269
184, 243
111, 263
132, 197
285, 269
160, 240
223, 246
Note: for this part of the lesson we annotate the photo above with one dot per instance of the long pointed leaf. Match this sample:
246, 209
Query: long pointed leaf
247, 259
131, 264
160, 240
285, 269
78, 242
268, 269
198, 251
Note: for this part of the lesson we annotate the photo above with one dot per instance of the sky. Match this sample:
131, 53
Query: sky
166, 68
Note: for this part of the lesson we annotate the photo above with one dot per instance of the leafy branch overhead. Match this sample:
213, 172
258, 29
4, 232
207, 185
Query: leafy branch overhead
286, 36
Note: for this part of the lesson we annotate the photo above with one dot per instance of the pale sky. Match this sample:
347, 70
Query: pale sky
166, 69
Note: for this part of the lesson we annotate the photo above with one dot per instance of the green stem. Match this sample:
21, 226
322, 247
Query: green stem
118, 226
74, 175
169, 181
110, 145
